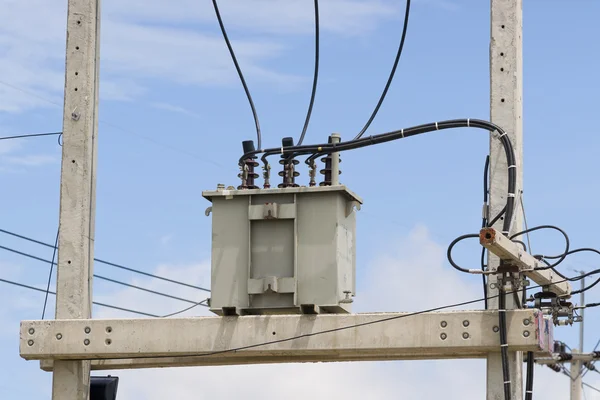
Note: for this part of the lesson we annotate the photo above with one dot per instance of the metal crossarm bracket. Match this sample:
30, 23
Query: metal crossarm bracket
139, 343
513, 253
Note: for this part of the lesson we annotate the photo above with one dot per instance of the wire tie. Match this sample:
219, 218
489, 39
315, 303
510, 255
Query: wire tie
511, 195
512, 166
502, 135
371, 139
504, 345
468, 122
402, 133
281, 149
501, 310
437, 127
506, 382
529, 391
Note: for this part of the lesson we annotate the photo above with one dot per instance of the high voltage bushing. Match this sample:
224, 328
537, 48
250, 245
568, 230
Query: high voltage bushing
289, 172
247, 174
329, 161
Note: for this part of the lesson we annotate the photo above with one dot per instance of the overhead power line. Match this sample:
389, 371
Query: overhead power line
137, 271
593, 362
103, 277
95, 302
50, 273
128, 131
583, 383
30, 135
22, 285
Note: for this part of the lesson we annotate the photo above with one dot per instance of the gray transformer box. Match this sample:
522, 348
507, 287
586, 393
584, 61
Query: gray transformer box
283, 251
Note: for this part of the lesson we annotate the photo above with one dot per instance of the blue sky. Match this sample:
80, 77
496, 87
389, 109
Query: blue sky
173, 115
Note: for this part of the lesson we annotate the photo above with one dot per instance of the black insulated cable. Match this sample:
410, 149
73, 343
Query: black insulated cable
486, 169
103, 277
567, 242
576, 278
315, 76
50, 273
30, 135
503, 341
327, 148
454, 243
111, 264
529, 376
239, 71
392, 73
22, 285
585, 289
497, 217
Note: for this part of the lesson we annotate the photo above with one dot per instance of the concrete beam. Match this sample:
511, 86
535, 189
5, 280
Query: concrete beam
507, 250
140, 343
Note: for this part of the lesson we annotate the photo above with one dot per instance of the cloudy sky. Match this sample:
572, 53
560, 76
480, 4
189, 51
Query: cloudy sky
172, 116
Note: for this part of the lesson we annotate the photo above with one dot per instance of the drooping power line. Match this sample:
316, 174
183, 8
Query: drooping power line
103, 277
137, 271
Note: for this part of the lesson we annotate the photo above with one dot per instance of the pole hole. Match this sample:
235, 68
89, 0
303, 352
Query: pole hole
502, 69
73, 161
274, 333
108, 329
503, 26
69, 262
76, 73
79, 23
108, 342
502, 100
75, 89
76, 47
501, 54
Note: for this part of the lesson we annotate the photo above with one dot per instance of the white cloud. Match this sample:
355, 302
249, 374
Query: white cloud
343, 17
414, 276
177, 42
166, 239
11, 161
30, 160
8, 146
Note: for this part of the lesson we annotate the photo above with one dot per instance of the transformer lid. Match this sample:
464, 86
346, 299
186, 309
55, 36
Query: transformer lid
231, 191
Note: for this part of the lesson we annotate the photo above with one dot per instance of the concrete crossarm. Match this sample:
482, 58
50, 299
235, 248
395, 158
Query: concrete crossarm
139, 343
585, 357
512, 252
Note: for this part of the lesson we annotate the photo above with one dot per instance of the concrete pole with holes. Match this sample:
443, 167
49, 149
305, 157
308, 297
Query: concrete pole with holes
582, 312
71, 379
506, 107
576, 381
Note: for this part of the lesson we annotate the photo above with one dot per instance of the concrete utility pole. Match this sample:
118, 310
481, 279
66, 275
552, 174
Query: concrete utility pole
78, 188
577, 365
582, 311
576, 378
506, 108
